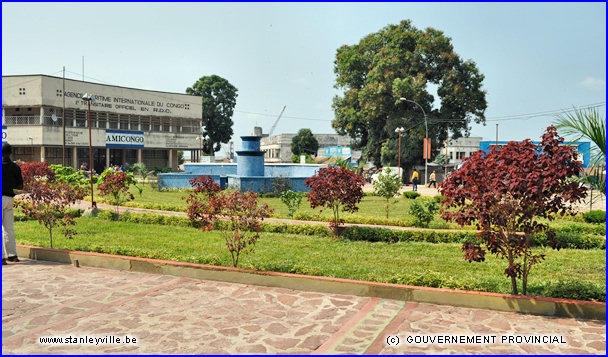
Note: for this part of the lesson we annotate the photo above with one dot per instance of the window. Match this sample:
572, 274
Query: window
145, 124
112, 121
460, 155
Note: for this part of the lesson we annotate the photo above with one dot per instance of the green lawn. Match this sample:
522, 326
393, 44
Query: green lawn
371, 207
427, 264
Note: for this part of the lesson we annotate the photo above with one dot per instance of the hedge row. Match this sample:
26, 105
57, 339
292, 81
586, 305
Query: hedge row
564, 289
567, 239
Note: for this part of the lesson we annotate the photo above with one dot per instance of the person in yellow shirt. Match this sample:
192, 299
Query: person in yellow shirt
415, 180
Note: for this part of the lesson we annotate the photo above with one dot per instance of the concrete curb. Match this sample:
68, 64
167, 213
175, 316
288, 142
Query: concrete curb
472, 299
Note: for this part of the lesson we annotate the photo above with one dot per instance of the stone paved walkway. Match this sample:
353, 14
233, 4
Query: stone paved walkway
171, 315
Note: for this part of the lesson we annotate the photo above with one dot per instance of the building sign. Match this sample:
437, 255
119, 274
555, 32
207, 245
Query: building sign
120, 100
4, 134
124, 139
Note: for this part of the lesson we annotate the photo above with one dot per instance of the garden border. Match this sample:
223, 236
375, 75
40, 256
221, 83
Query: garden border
472, 299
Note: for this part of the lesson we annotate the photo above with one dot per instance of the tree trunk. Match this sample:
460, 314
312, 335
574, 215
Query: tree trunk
386, 208
51, 236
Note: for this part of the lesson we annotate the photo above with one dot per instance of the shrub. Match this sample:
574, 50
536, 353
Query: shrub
243, 224
370, 234
48, 200
387, 186
114, 185
423, 212
336, 188
596, 216
506, 190
411, 195
292, 200
279, 185
438, 198
571, 289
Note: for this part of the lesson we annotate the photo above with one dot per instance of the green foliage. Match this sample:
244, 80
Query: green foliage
69, 175
571, 289
588, 124
292, 200
596, 216
403, 61
180, 157
304, 143
423, 212
280, 184
161, 170
403, 262
387, 186
296, 159
411, 195
370, 234
219, 100
114, 187
438, 198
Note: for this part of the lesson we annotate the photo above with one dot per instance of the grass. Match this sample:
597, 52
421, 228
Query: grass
371, 211
427, 264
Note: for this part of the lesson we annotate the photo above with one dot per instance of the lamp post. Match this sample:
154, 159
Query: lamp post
90, 98
399, 130
426, 135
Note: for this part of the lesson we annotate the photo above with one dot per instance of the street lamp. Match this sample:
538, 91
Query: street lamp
399, 130
90, 98
426, 135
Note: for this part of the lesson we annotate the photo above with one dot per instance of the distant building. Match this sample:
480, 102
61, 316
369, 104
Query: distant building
583, 148
460, 148
278, 147
127, 125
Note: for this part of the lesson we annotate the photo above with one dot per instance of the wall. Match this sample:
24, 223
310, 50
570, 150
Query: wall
180, 180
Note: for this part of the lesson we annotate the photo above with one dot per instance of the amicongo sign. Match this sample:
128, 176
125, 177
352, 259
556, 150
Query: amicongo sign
124, 139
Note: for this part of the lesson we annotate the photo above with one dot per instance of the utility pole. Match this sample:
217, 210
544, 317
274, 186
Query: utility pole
447, 140
63, 121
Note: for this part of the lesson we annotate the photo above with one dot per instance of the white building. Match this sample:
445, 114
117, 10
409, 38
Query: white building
278, 147
127, 125
460, 148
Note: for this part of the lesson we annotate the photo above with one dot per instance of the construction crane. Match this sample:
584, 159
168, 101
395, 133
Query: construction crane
276, 121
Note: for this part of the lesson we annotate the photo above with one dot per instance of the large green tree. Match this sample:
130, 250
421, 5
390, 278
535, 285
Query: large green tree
304, 143
219, 100
401, 61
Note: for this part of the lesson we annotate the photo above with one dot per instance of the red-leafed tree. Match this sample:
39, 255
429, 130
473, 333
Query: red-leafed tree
198, 201
505, 191
32, 171
335, 187
47, 200
114, 186
241, 214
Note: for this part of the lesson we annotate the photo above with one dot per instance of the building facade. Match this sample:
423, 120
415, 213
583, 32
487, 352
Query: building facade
127, 125
278, 147
460, 148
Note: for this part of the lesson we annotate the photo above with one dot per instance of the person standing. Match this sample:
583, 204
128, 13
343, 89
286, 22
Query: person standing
432, 180
11, 180
415, 180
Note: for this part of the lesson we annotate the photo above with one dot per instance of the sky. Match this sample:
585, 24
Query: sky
537, 58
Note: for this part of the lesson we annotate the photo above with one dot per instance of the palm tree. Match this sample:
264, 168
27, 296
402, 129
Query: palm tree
588, 124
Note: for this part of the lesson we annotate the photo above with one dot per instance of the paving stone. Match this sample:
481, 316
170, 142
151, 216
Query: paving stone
170, 315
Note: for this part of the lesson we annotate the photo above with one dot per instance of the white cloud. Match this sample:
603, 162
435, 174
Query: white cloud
593, 83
